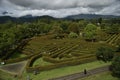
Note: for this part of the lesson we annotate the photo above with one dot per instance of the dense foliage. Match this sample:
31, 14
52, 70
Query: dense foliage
105, 53
116, 66
90, 32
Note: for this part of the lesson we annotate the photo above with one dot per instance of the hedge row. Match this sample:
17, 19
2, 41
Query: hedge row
32, 59
58, 50
108, 40
52, 49
16, 59
62, 64
52, 60
77, 54
67, 51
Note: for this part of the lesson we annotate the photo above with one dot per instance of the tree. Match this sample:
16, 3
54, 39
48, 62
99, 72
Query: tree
64, 25
112, 29
74, 27
116, 66
57, 32
104, 53
72, 35
100, 20
90, 32
82, 24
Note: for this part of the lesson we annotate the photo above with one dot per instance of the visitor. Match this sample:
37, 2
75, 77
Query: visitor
85, 71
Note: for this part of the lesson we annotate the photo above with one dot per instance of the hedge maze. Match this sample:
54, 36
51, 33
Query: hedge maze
63, 54
53, 54
112, 39
68, 53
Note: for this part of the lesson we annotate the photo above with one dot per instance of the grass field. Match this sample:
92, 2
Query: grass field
101, 76
6, 76
41, 62
45, 75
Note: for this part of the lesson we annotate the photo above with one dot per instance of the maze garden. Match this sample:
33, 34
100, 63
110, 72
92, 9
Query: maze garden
38, 52
46, 54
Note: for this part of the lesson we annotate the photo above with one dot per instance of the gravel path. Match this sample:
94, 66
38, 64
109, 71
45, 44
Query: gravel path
82, 75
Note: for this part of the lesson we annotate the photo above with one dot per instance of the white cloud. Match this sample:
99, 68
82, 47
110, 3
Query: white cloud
59, 8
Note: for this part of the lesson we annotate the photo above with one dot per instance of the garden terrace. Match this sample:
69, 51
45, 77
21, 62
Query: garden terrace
61, 53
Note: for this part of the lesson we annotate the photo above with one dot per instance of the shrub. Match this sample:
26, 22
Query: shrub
73, 35
104, 53
116, 66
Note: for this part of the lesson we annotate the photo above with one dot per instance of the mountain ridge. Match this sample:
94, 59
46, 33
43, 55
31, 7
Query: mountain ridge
29, 18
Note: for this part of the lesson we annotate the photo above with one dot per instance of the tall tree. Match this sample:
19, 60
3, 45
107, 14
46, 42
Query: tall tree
90, 32
74, 27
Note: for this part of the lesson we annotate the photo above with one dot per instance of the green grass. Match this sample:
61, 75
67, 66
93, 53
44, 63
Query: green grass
17, 55
6, 76
41, 62
101, 76
65, 70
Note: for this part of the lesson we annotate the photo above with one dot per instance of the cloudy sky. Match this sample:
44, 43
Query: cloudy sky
58, 8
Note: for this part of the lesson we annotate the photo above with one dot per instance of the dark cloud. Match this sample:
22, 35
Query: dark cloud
60, 8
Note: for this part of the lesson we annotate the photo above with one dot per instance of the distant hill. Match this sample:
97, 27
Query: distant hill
90, 16
29, 18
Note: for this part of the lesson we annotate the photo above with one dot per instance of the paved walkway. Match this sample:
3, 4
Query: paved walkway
82, 75
14, 68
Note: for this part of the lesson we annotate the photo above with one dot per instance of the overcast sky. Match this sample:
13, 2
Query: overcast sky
59, 8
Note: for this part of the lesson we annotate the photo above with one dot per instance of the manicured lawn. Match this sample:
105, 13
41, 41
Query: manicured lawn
6, 76
65, 70
101, 76
41, 62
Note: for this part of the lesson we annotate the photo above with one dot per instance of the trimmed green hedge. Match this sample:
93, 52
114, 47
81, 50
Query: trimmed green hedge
63, 51
16, 60
52, 60
32, 59
77, 54
62, 64
67, 51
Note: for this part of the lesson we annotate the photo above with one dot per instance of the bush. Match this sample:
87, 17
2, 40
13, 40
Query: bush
116, 66
73, 35
105, 53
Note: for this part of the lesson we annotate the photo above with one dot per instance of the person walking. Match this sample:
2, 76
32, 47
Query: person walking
85, 71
